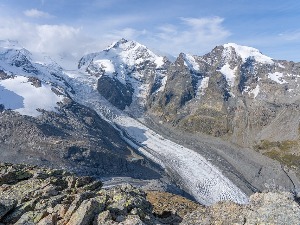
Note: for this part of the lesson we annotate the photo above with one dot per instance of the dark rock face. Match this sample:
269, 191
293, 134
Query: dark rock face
118, 94
76, 138
35, 82
240, 101
4, 75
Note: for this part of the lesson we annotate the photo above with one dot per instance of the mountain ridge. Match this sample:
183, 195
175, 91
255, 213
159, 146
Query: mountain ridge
125, 85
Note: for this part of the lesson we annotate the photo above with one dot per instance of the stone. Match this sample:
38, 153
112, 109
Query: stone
6, 205
103, 218
86, 213
126, 205
48, 220
132, 220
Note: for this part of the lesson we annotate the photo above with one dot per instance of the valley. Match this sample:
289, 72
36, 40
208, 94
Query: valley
191, 124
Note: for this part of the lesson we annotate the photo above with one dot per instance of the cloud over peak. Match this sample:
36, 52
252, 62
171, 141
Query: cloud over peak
34, 13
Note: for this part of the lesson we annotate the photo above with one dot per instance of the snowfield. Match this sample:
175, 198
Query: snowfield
229, 74
190, 170
20, 95
277, 77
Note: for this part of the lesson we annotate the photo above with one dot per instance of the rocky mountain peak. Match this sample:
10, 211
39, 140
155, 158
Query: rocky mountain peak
122, 54
117, 43
246, 52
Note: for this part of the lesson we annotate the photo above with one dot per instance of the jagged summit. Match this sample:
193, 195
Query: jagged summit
246, 52
117, 43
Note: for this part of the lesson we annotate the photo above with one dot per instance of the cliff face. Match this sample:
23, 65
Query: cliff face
32, 195
233, 92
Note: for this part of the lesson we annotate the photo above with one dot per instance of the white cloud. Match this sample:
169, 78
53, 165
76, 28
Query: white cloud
191, 35
34, 13
127, 33
55, 40
291, 36
194, 35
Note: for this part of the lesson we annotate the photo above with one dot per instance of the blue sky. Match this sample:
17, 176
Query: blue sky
73, 27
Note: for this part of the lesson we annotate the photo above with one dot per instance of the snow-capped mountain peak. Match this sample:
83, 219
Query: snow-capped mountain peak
246, 52
129, 53
29, 82
116, 44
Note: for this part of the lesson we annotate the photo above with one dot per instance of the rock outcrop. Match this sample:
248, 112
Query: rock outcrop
31, 195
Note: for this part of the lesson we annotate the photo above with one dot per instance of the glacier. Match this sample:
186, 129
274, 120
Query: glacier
193, 172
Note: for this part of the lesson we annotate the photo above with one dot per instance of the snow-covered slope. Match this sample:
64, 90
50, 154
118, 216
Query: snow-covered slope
19, 94
246, 52
28, 82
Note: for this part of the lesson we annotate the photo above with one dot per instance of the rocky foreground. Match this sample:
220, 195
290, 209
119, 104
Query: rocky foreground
32, 195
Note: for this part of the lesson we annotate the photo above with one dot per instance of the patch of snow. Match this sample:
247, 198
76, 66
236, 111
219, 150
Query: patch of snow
229, 74
163, 84
254, 91
245, 52
191, 62
159, 61
281, 66
202, 85
26, 98
231, 94
106, 65
277, 77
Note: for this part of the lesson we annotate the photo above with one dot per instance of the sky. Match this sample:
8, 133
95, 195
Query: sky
72, 28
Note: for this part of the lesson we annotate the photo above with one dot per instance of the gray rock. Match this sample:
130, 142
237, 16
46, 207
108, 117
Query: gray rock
264, 208
86, 213
6, 205
48, 220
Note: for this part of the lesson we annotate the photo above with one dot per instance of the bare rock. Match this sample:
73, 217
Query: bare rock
6, 205
86, 213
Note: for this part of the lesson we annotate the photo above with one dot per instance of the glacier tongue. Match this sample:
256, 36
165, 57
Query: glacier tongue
192, 171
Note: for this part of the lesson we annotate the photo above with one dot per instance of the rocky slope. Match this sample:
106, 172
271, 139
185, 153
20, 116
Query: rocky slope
32, 195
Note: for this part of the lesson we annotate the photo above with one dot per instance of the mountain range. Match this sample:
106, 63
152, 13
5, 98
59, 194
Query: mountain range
215, 127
